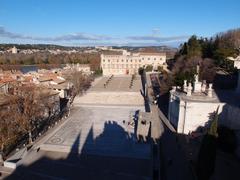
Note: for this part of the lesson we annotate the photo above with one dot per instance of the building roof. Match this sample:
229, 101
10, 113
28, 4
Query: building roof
59, 81
44, 78
64, 85
138, 53
152, 54
7, 80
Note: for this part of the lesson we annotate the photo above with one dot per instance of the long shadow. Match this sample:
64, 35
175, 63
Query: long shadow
113, 154
230, 97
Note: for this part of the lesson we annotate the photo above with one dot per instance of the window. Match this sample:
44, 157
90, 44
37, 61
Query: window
142, 58
131, 60
139, 60
117, 60
154, 58
126, 60
103, 60
160, 58
109, 60
122, 60
148, 58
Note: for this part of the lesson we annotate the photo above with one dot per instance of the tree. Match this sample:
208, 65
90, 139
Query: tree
166, 82
22, 114
207, 70
149, 68
194, 47
29, 101
140, 70
218, 48
10, 122
160, 69
80, 81
98, 72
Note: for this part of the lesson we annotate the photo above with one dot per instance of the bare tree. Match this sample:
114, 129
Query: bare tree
29, 103
10, 122
80, 81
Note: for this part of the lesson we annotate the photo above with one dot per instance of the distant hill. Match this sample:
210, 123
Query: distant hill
170, 52
36, 46
53, 47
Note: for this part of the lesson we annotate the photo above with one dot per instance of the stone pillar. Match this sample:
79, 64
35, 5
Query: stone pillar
210, 90
197, 86
174, 88
204, 86
185, 86
189, 90
181, 118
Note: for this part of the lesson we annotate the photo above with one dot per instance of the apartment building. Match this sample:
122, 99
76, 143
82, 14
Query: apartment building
129, 63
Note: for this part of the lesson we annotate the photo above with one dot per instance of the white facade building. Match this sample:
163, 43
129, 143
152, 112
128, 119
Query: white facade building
13, 50
129, 63
85, 68
193, 107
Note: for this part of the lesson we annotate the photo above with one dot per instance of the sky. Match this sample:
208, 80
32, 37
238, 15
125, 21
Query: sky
114, 22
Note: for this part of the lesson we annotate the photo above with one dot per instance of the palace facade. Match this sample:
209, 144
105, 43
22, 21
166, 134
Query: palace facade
129, 63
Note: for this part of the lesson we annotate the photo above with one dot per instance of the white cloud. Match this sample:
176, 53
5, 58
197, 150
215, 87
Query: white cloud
158, 38
95, 39
67, 37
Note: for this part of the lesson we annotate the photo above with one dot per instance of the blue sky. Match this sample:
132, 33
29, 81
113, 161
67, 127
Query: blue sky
114, 22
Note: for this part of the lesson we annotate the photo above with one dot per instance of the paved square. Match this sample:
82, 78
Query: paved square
99, 131
94, 143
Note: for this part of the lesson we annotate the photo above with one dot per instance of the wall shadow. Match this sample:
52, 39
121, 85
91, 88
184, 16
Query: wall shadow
230, 97
114, 154
199, 156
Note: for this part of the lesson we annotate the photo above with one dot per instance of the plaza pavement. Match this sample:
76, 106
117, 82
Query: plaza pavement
94, 142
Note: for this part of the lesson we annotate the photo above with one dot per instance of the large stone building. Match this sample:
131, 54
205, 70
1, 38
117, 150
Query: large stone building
192, 107
129, 63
